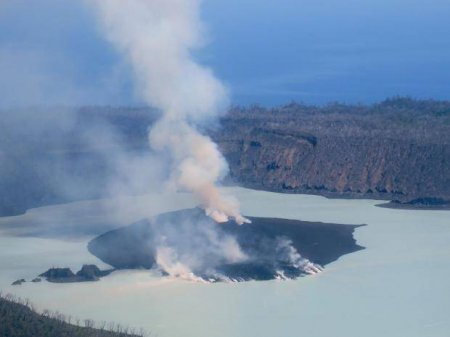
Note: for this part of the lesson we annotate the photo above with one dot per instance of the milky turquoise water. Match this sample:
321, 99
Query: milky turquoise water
398, 286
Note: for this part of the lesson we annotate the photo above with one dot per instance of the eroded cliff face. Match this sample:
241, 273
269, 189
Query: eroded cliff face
401, 155
398, 149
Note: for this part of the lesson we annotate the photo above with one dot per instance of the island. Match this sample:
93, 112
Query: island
65, 275
273, 248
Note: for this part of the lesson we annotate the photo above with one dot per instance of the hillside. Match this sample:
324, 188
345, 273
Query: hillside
398, 149
17, 319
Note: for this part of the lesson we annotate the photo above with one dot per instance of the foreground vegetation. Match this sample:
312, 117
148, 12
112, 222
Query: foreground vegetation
18, 318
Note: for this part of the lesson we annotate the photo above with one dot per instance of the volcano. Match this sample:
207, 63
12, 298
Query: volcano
187, 243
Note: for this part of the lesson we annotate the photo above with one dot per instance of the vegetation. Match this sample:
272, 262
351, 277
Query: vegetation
18, 318
398, 149
56, 155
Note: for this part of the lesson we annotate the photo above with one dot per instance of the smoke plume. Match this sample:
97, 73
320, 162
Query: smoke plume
158, 37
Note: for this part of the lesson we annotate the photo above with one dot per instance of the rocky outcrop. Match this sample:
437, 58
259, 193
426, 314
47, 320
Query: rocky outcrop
18, 282
421, 203
54, 274
65, 275
91, 272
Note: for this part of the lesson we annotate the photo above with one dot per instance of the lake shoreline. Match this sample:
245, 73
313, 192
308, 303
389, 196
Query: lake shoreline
389, 281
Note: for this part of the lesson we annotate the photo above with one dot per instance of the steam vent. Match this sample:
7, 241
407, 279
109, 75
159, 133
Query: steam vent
188, 244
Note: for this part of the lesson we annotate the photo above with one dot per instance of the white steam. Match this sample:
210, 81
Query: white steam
168, 260
192, 247
158, 37
287, 254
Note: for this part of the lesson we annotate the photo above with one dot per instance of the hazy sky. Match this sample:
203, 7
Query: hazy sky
268, 52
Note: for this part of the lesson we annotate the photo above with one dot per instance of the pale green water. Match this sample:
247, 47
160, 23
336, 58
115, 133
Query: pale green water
398, 287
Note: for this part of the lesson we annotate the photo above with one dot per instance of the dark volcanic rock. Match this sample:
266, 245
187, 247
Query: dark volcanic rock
420, 203
58, 273
321, 243
92, 272
125, 248
18, 282
272, 246
65, 275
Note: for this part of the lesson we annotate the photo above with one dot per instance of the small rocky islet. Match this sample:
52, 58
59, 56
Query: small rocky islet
87, 273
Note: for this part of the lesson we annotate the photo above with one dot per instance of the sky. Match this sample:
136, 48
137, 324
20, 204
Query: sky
267, 52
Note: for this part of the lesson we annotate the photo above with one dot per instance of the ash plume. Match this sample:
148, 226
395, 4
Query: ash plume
158, 37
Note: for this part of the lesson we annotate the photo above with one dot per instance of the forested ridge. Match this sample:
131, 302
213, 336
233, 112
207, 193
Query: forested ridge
398, 149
